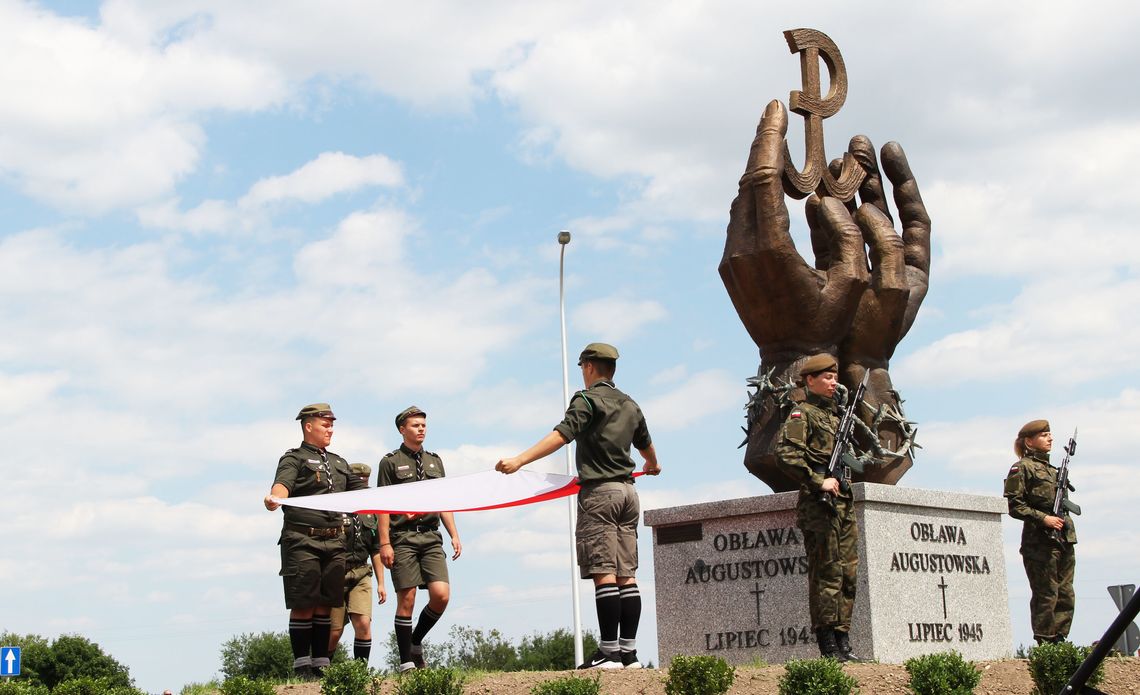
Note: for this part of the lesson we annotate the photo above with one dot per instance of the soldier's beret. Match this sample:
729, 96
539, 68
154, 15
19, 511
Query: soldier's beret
410, 411
598, 351
1033, 427
316, 410
361, 469
815, 364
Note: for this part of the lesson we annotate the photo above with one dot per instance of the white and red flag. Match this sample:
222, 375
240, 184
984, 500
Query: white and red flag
464, 493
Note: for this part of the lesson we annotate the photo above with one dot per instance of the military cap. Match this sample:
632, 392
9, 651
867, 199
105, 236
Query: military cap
410, 411
1033, 427
815, 364
361, 469
598, 351
316, 410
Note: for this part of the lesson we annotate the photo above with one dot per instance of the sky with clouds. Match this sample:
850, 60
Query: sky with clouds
214, 214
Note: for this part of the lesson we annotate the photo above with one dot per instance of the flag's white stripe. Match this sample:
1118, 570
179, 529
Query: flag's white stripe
484, 489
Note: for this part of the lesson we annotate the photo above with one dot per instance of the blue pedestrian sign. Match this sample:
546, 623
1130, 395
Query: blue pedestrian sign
9, 661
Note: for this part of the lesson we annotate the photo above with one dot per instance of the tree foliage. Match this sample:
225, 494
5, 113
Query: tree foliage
267, 655
69, 657
473, 648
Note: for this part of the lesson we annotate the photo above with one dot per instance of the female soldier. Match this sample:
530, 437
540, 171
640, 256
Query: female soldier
1030, 488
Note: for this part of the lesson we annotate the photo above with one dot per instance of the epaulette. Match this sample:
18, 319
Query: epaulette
390, 453
432, 453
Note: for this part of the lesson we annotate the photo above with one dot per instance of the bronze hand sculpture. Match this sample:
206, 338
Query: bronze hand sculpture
857, 302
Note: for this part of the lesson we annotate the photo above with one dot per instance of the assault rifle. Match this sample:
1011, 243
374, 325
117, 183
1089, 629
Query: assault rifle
842, 462
1061, 500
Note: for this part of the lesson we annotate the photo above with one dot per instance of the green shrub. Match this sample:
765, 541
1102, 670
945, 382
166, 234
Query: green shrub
569, 685
22, 687
1052, 665
240, 685
816, 677
350, 677
211, 688
472, 649
265, 656
86, 685
431, 681
942, 674
553, 651
699, 675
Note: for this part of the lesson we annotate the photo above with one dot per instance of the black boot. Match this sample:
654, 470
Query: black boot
828, 649
843, 642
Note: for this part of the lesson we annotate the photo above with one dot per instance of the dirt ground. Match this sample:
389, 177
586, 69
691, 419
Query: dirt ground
1010, 677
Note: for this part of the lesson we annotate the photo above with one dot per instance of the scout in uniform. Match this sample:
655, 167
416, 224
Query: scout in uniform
312, 547
604, 422
362, 545
411, 545
1049, 564
830, 536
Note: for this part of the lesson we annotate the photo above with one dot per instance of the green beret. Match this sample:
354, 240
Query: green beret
410, 411
1033, 427
361, 469
815, 364
316, 410
598, 351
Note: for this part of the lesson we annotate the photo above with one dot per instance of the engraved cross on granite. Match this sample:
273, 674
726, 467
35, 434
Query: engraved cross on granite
757, 592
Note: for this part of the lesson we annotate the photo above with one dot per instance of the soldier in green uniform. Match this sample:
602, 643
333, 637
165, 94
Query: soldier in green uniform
1049, 564
411, 545
312, 549
362, 543
604, 422
830, 536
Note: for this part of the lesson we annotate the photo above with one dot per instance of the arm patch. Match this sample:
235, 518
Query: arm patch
795, 429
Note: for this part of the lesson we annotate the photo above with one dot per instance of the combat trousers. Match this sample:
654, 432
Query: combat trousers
1050, 567
831, 543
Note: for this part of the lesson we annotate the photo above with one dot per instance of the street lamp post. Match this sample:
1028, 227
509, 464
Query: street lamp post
579, 656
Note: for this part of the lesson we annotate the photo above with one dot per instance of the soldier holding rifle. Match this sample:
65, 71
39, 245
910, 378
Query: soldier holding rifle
825, 512
1038, 497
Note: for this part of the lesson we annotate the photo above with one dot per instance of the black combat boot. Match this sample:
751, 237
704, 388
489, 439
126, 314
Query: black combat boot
828, 649
843, 642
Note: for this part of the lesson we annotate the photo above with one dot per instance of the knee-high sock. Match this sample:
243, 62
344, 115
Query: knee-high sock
301, 640
630, 616
361, 649
609, 615
322, 626
404, 637
428, 619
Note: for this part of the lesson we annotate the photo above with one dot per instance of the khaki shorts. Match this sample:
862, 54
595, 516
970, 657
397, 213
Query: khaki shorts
312, 570
606, 536
357, 596
419, 559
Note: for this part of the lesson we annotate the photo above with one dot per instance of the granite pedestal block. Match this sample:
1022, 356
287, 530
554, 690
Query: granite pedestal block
731, 577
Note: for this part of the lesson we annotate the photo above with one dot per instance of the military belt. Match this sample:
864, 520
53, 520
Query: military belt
599, 481
414, 528
314, 531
